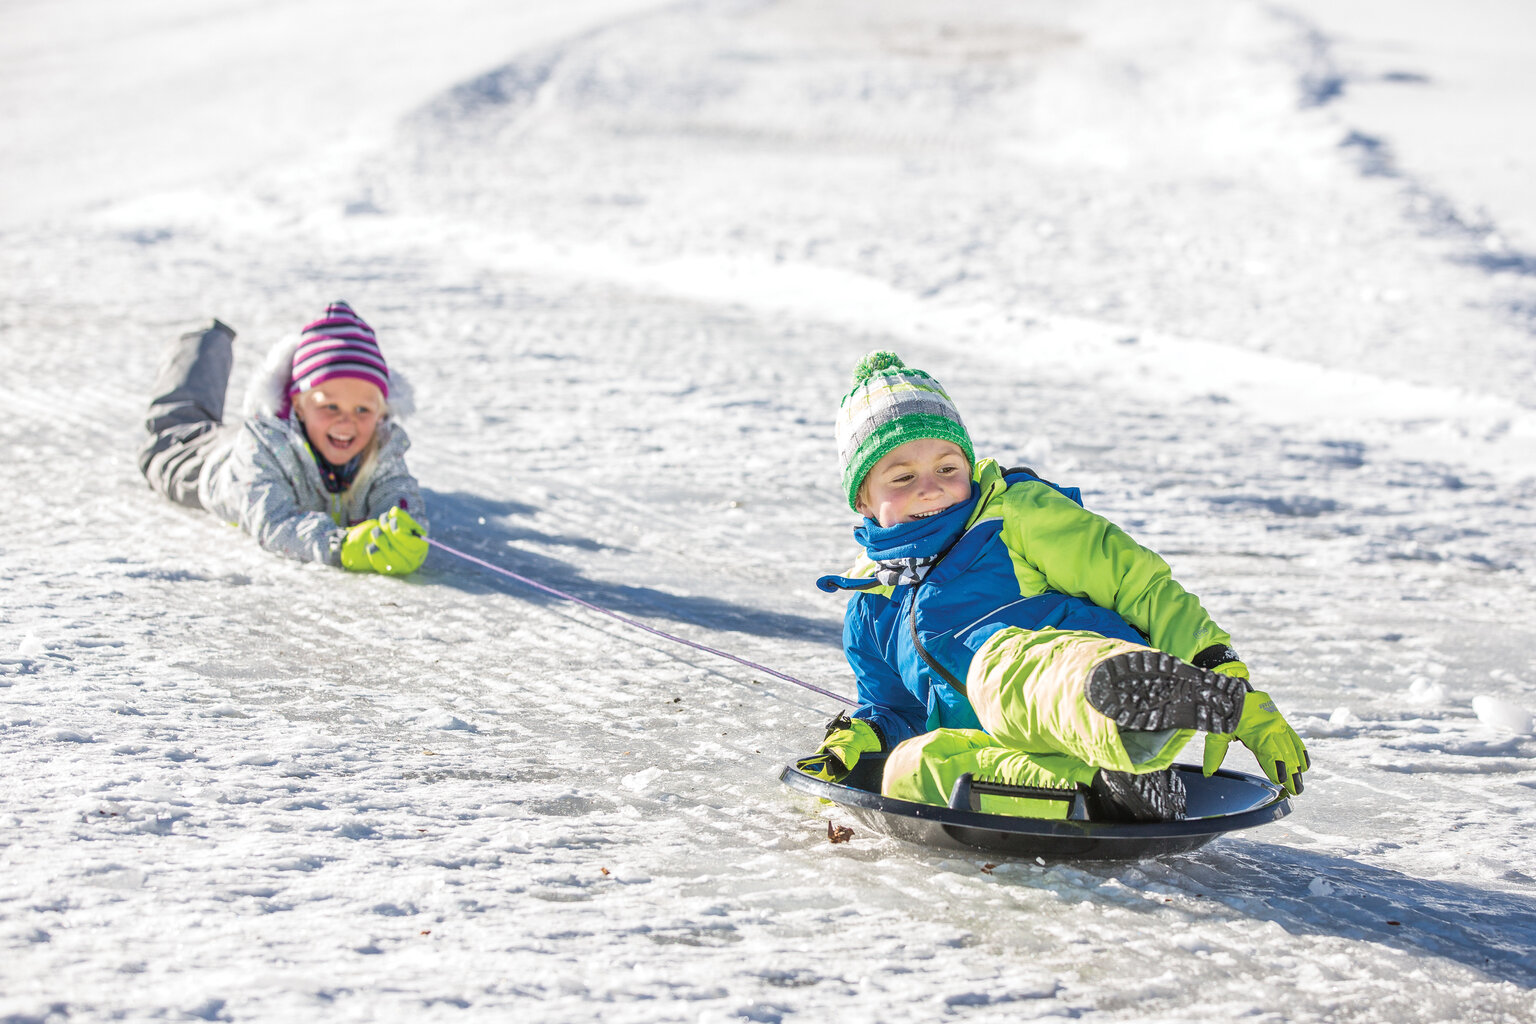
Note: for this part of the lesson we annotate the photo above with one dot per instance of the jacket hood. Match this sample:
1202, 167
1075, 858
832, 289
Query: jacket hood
267, 392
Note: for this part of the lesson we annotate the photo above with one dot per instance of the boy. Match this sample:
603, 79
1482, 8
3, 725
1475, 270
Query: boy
998, 628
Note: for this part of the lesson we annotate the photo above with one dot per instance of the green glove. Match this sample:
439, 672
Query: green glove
408, 539
1216, 743
847, 738
354, 549
393, 545
1275, 745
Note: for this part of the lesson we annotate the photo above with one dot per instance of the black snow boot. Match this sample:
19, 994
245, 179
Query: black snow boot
1150, 690
1121, 796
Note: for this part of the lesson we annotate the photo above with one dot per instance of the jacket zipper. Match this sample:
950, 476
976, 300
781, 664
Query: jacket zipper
922, 652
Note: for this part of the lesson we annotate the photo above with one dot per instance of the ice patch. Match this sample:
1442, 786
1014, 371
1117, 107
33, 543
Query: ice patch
1501, 714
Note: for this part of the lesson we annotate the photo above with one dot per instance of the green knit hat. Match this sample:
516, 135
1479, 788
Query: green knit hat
891, 404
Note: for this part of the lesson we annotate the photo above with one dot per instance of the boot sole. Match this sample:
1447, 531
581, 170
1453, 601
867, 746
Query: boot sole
1157, 796
1151, 690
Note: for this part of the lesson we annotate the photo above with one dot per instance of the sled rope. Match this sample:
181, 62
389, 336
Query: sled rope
535, 584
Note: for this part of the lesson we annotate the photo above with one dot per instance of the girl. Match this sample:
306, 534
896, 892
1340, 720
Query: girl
317, 470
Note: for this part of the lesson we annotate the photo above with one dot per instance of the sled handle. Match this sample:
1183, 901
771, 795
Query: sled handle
968, 791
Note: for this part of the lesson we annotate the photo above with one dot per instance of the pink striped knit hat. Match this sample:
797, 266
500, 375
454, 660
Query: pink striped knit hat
339, 344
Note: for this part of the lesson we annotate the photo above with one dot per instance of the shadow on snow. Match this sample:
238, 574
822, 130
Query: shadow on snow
478, 526
1322, 894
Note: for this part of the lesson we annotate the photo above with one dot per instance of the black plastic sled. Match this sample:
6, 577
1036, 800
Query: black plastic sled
1222, 803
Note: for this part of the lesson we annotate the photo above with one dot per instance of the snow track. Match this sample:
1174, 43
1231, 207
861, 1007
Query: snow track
628, 275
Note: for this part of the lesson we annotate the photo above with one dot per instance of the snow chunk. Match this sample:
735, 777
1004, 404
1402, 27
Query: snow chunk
446, 722
640, 780
1342, 722
116, 876
157, 822
1422, 691
395, 909
68, 736
1501, 714
31, 647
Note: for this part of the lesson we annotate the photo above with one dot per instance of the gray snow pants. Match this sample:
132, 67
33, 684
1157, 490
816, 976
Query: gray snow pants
185, 419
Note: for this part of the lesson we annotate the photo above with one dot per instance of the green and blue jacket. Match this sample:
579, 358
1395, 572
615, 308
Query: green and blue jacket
1024, 553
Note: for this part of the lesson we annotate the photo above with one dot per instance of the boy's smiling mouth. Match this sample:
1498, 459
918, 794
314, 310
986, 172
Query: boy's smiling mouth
930, 514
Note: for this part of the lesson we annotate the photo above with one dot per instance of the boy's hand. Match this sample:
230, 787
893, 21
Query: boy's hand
1275, 745
847, 738
392, 545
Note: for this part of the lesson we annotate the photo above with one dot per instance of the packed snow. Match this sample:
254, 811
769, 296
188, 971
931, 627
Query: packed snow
1204, 260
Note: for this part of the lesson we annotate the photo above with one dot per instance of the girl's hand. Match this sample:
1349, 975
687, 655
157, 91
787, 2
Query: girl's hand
354, 550
404, 540
392, 545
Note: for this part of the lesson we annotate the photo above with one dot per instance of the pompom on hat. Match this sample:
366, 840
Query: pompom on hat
890, 404
339, 344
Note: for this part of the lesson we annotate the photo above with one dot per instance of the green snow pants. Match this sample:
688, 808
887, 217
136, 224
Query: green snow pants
1028, 688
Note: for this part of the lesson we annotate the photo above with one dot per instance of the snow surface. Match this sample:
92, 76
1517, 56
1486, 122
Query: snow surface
1201, 259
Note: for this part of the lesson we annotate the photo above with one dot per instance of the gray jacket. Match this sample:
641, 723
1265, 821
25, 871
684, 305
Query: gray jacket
264, 479
266, 482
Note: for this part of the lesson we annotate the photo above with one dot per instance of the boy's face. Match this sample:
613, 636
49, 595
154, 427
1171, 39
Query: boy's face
340, 416
919, 479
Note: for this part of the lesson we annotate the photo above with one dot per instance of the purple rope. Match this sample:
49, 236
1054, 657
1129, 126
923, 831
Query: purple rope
638, 625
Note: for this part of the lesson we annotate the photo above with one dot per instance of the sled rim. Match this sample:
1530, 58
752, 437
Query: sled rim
1261, 802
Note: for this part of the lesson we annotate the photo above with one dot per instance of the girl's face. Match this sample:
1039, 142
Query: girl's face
919, 479
340, 416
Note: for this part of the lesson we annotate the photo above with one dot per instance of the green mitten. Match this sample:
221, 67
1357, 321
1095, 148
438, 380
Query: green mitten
354, 549
847, 738
1275, 745
407, 540
392, 545
1216, 743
